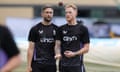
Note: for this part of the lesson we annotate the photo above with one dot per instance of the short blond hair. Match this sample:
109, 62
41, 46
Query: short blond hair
72, 6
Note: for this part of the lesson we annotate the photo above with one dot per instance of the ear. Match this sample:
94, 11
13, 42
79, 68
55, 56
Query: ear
76, 13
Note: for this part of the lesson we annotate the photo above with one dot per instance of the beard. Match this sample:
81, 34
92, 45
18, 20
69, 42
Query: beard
69, 20
47, 19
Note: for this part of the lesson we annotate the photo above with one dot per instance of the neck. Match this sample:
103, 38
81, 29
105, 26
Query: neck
72, 22
46, 23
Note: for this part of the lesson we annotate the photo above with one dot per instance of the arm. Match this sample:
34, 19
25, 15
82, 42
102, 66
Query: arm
84, 50
85, 42
9, 46
12, 64
57, 49
29, 56
32, 37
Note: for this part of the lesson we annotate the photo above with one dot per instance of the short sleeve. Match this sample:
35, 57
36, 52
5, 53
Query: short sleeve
8, 44
58, 34
32, 35
85, 36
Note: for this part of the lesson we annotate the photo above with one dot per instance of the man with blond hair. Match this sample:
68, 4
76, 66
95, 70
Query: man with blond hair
72, 41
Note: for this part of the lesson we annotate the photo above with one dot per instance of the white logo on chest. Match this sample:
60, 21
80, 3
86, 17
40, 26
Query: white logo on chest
54, 32
46, 40
40, 31
68, 38
64, 32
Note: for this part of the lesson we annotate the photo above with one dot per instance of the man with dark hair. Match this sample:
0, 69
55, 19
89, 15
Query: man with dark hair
41, 44
72, 41
9, 53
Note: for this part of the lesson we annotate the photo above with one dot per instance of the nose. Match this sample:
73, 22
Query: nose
67, 15
49, 14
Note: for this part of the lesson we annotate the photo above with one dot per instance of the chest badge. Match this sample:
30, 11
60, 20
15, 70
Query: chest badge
40, 31
54, 32
65, 32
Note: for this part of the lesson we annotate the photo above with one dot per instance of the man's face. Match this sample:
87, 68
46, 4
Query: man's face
70, 14
47, 14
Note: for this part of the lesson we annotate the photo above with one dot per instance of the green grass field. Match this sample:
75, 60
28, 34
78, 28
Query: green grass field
89, 68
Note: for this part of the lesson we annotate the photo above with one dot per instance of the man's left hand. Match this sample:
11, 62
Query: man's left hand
69, 54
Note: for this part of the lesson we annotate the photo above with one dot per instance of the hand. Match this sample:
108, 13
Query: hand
57, 56
69, 54
29, 69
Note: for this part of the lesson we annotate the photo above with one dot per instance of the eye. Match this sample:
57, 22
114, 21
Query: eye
69, 12
48, 12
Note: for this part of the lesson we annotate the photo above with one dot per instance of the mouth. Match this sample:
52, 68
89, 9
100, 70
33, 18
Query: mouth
49, 17
67, 18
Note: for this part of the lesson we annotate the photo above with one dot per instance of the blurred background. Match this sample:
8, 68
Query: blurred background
102, 17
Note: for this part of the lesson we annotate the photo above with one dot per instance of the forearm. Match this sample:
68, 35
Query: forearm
30, 53
57, 47
29, 56
57, 50
83, 50
11, 64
